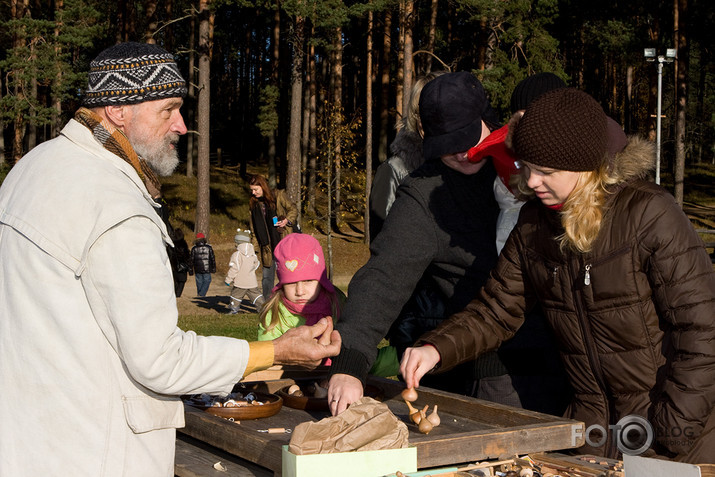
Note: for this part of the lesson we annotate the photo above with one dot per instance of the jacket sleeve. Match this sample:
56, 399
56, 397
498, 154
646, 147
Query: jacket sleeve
288, 207
398, 257
212, 260
384, 186
683, 284
232, 269
491, 318
130, 291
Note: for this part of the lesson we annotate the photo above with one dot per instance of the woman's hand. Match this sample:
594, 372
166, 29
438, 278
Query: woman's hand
343, 390
416, 362
282, 223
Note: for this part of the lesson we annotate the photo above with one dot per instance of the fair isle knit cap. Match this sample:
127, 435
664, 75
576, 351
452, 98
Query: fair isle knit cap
299, 257
131, 73
532, 87
564, 129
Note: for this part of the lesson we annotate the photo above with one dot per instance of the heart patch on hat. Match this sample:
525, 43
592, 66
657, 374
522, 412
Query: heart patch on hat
291, 265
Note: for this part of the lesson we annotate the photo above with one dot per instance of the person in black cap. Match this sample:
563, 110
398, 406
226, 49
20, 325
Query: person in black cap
435, 249
92, 362
622, 277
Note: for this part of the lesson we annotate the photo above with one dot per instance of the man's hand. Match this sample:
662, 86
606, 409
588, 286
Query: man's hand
300, 346
416, 362
343, 390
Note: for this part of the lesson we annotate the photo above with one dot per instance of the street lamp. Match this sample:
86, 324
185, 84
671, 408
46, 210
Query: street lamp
650, 55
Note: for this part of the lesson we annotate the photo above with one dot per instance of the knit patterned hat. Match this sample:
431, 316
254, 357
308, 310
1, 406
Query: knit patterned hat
532, 87
242, 236
300, 257
131, 73
564, 129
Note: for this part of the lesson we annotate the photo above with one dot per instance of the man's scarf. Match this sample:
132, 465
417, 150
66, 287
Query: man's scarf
114, 141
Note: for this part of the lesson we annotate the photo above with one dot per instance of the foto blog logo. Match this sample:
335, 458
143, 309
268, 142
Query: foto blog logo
632, 435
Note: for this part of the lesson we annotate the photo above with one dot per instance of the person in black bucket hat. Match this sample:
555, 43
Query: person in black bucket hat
455, 111
436, 247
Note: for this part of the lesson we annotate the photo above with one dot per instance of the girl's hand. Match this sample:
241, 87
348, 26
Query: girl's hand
416, 362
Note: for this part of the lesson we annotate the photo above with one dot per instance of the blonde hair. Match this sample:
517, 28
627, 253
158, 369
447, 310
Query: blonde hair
583, 211
272, 307
411, 122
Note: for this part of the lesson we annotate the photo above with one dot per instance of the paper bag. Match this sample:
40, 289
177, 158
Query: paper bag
366, 425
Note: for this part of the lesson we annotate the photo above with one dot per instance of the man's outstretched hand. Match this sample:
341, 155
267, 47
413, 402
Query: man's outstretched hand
307, 345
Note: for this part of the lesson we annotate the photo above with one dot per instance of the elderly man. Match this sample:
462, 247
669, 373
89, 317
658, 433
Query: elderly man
91, 359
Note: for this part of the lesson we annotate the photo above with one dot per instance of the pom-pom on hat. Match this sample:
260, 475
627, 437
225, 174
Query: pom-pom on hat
300, 257
131, 73
532, 87
451, 110
564, 129
242, 236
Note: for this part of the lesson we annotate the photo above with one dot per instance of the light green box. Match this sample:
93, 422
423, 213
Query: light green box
350, 464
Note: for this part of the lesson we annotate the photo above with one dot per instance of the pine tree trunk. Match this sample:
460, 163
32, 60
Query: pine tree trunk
368, 127
272, 138
338, 101
382, 150
400, 63
204, 110
152, 24
681, 37
191, 106
431, 35
294, 156
312, 132
56, 97
408, 68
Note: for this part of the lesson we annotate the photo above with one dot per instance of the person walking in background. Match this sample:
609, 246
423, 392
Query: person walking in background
92, 363
273, 216
406, 157
241, 276
622, 277
182, 261
203, 264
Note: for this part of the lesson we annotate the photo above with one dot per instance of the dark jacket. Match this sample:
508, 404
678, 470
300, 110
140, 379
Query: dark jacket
202, 258
440, 232
634, 318
267, 236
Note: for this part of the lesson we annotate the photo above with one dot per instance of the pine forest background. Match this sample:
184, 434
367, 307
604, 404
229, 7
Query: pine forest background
309, 91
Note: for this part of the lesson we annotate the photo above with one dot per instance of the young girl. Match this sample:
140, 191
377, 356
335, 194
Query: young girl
303, 294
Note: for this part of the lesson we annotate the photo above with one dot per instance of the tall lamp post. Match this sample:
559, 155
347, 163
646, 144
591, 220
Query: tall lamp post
650, 55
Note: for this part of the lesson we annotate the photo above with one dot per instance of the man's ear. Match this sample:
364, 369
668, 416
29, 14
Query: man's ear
117, 115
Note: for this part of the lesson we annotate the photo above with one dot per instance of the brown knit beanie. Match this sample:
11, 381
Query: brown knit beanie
563, 129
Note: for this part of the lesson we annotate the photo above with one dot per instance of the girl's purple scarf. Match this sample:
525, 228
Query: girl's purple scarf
319, 308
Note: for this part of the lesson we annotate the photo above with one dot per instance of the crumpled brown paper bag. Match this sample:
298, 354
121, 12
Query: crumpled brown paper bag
366, 425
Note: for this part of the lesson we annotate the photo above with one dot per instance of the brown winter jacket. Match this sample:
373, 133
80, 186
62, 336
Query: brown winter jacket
637, 337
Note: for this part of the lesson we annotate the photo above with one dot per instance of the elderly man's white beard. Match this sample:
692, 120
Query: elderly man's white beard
160, 155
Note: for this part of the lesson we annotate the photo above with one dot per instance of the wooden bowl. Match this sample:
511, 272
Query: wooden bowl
272, 404
310, 403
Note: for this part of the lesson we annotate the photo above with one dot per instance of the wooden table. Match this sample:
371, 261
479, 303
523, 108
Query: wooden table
471, 429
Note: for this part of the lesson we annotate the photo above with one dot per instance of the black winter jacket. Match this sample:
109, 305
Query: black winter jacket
202, 259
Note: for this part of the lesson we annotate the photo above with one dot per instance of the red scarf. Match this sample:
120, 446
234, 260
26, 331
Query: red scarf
319, 308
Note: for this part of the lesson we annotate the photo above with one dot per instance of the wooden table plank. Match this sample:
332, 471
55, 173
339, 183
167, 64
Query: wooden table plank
471, 429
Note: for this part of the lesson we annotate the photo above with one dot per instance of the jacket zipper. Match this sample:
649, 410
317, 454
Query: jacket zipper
592, 354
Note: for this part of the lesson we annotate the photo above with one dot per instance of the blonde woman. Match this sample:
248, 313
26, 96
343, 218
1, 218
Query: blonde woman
622, 277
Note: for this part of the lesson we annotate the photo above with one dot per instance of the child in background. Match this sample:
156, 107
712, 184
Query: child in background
304, 295
242, 274
203, 264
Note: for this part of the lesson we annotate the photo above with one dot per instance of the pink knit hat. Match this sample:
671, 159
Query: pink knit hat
300, 257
